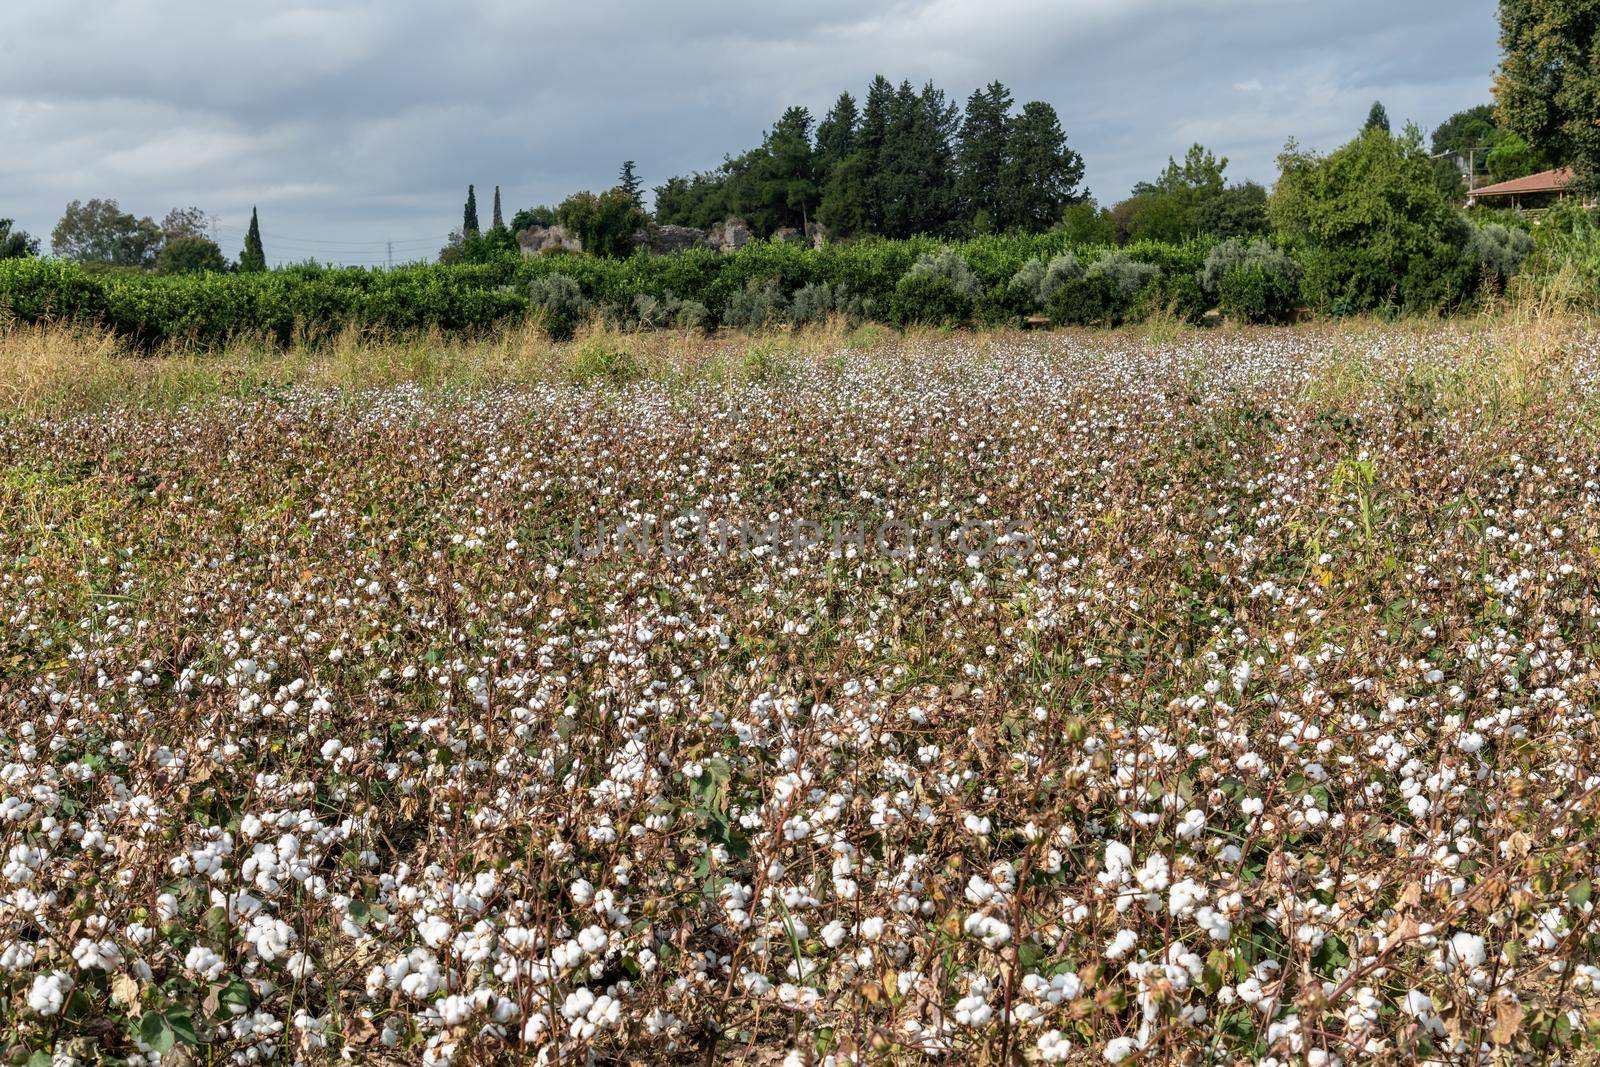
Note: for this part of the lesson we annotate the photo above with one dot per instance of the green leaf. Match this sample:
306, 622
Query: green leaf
155, 1032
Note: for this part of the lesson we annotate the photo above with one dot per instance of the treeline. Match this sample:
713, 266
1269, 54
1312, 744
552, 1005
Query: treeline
1364, 229
905, 162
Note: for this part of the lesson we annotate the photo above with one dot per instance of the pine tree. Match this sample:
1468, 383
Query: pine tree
1040, 174
499, 220
628, 181
870, 142
469, 217
980, 155
836, 135
253, 258
1377, 118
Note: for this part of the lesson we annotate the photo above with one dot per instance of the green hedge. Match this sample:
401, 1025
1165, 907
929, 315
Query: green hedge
313, 302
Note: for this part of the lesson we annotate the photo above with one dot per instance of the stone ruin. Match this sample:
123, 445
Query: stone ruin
537, 240
728, 235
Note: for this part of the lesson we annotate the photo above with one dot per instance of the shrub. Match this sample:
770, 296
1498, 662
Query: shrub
756, 305
1003, 305
692, 315
1252, 281
812, 304
1040, 280
930, 300
1500, 251
1254, 292
1093, 300
1177, 294
1127, 274
949, 265
559, 303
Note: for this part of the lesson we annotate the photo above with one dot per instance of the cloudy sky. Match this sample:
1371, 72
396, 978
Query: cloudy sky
356, 123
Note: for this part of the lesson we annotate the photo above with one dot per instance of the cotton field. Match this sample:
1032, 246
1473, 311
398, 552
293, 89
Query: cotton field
1220, 697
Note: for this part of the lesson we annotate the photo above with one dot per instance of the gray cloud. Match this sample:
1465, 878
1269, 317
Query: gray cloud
354, 123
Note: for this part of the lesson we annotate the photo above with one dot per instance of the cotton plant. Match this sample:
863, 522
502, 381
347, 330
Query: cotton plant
1272, 741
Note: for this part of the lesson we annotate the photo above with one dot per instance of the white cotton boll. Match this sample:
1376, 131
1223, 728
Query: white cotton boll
577, 1004
1418, 806
331, 747
49, 992
1120, 945
593, 940
973, 1010
455, 1010
1119, 1049
582, 891
1054, 1047
1468, 949
203, 962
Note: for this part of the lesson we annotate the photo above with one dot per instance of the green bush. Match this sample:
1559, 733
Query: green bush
559, 303
938, 290
812, 304
1252, 281
1093, 300
756, 305
1128, 275
1500, 251
1039, 280
1176, 294
1253, 292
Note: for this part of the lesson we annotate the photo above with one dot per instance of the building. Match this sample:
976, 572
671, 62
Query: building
1532, 193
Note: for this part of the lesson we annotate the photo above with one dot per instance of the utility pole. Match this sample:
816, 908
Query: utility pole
390, 245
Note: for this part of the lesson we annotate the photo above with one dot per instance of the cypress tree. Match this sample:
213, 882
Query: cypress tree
469, 217
253, 258
499, 220
1377, 118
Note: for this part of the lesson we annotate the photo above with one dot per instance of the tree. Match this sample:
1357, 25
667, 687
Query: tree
981, 156
1237, 211
190, 254
1377, 118
15, 243
1512, 157
1087, 223
469, 215
779, 183
185, 222
1466, 131
253, 258
499, 222
1371, 226
846, 200
1040, 174
99, 231
836, 136
629, 183
916, 166
605, 223
1167, 209
1547, 90
532, 216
